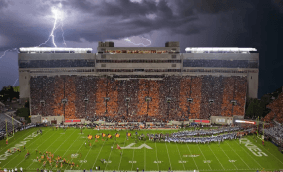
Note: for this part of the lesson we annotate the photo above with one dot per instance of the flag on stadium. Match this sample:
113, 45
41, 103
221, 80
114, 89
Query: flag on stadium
118, 147
103, 135
109, 136
117, 135
129, 134
97, 136
89, 137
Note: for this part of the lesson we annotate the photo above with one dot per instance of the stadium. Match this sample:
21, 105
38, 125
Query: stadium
140, 109
137, 84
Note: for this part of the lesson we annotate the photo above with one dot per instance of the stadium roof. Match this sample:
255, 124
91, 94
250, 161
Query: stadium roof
55, 49
218, 49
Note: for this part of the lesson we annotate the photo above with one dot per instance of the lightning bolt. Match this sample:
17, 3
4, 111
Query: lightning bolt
63, 34
14, 49
128, 40
57, 15
15, 82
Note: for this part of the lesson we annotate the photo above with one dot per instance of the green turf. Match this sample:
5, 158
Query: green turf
212, 157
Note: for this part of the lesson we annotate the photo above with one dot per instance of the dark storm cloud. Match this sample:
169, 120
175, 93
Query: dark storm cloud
131, 18
126, 8
216, 6
278, 4
3, 4
83, 6
176, 20
100, 20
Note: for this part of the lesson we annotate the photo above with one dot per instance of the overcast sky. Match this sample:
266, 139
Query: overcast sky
194, 23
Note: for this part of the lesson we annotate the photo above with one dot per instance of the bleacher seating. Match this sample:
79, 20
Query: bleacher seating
142, 94
125, 100
221, 63
59, 87
276, 112
2, 107
3, 118
56, 63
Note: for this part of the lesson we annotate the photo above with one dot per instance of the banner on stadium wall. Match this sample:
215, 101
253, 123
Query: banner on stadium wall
220, 119
73, 120
202, 121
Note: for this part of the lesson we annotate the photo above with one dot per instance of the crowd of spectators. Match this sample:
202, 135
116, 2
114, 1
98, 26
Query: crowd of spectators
56, 63
276, 112
221, 63
173, 98
275, 133
6, 119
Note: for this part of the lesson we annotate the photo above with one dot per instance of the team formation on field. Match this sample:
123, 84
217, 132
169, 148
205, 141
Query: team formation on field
84, 147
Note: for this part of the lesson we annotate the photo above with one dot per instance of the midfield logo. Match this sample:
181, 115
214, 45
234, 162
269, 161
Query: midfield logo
140, 147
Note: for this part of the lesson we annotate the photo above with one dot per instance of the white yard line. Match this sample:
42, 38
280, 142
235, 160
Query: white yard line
122, 153
59, 146
21, 154
192, 157
69, 149
156, 156
37, 147
168, 156
238, 155
216, 157
204, 156
271, 153
144, 158
180, 156
15, 156
87, 155
9, 144
228, 157
110, 155
133, 159
250, 155
98, 154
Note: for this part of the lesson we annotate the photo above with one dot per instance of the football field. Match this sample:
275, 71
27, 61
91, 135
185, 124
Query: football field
230, 155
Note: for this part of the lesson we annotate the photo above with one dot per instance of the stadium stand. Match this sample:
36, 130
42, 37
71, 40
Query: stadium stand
275, 133
2, 107
142, 96
3, 118
56, 63
221, 63
173, 98
58, 95
276, 112
196, 94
